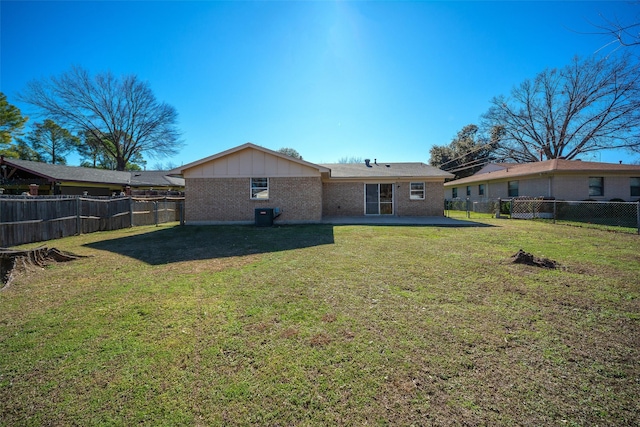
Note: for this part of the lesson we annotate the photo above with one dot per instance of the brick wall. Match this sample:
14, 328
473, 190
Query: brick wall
432, 205
228, 199
343, 199
347, 199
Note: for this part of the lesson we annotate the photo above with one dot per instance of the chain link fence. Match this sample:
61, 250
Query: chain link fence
466, 208
622, 215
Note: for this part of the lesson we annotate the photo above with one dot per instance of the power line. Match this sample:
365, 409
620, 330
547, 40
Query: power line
466, 154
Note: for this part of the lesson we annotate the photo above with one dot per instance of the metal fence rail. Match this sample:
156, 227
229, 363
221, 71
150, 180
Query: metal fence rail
480, 208
27, 219
611, 214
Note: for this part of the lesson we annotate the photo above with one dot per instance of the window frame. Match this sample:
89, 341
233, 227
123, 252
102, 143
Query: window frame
513, 188
454, 192
593, 187
421, 193
635, 187
480, 189
252, 187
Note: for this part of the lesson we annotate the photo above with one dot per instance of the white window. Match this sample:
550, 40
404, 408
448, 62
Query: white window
416, 191
260, 188
635, 187
596, 186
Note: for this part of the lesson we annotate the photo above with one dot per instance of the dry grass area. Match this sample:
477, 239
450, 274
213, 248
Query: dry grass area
322, 325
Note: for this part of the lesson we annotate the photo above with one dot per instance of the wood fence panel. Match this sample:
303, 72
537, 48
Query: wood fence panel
35, 219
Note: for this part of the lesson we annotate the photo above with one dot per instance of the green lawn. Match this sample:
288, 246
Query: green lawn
322, 325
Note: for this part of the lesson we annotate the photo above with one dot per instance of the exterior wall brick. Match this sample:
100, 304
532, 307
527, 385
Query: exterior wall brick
343, 198
228, 199
432, 205
347, 199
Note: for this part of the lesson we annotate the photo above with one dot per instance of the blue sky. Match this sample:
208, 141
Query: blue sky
331, 79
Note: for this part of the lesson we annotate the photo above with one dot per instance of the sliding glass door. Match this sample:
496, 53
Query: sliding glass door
378, 199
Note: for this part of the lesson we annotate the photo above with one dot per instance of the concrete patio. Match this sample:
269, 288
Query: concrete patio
436, 221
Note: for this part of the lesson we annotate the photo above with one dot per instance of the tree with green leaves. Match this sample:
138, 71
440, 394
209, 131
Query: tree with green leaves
121, 113
52, 142
290, 152
589, 105
20, 149
24, 152
11, 122
467, 153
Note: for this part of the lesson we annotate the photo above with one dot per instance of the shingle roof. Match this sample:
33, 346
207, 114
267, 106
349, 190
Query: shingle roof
101, 176
385, 170
512, 170
155, 178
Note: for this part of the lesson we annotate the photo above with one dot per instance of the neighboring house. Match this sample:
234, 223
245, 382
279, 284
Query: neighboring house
23, 176
230, 186
558, 179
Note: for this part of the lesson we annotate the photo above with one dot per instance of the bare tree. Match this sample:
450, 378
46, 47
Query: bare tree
122, 114
352, 159
623, 31
589, 105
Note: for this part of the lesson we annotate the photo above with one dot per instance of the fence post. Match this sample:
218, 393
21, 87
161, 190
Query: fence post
554, 210
78, 219
638, 216
181, 212
468, 208
131, 210
499, 207
155, 212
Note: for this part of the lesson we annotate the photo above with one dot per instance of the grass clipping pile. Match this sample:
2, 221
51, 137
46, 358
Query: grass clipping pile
22, 260
522, 257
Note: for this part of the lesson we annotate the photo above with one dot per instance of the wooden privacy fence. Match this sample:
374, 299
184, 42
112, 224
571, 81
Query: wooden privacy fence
26, 219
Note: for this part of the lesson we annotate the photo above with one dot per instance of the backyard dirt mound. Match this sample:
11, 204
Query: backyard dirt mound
12, 260
522, 257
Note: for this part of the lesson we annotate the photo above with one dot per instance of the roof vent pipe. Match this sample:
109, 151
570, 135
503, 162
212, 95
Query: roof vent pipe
366, 162
375, 161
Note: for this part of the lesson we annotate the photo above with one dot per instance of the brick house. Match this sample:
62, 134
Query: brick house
559, 179
229, 186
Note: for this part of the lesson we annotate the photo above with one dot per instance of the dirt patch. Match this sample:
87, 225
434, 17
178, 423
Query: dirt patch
522, 257
17, 260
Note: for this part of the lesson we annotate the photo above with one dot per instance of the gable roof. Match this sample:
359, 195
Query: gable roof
93, 175
242, 147
513, 170
338, 170
385, 170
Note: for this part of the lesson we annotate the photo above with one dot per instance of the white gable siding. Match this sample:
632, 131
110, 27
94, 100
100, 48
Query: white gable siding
250, 163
